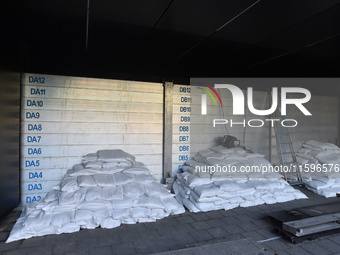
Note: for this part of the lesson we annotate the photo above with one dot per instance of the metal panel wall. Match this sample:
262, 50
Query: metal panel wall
65, 118
10, 124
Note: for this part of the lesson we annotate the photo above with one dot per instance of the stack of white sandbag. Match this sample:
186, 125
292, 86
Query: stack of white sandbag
109, 188
320, 167
208, 191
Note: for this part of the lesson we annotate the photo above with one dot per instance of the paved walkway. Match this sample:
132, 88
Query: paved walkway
171, 235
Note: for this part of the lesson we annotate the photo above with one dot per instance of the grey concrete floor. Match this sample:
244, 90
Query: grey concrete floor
188, 233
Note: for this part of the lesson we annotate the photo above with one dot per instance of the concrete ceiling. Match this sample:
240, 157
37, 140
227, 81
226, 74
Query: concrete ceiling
173, 39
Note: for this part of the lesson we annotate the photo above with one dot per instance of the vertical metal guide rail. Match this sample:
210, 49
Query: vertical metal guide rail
284, 146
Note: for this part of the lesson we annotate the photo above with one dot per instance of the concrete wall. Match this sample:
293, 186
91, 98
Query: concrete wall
65, 118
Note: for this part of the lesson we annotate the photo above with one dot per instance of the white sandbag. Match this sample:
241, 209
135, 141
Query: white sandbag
254, 155
207, 190
322, 146
71, 198
149, 202
48, 230
246, 191
256, 176
78, 167
259, 201
328, 192
110, 223
190, 206
299, 195
112, 167
302, 161
114, 156
269, 199
140, 212
303, 151
90, 225
111, 193
157, 214
266, 184
69, 227
316, 184
124, 203
228, 195
133, 189
284, 197
181, 190
82, 217
121, 178
86, 181
204, 207
193, 180
17, 233
144, 178
236, 200
86, 171
29, 208
205, 199
336, 183
229, 206
90, 157
109, 165
49, 206
99, 216
94, 165
119, 214
129, 221
222, 149
94, 193
62, 208
136, 170
327, 181
328, 157
272, 175
247, 203
153, 189
69, 184
38, 222
248, 197
261, 164
260, 193
103, 213
111, 170
172, 206
94, 205
59, 219
232, 186
104, 180
51, 196
310, 147
165, 193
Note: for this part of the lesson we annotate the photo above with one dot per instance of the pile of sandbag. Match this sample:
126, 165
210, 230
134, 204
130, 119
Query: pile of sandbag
109, 188
214, 190
320, 167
